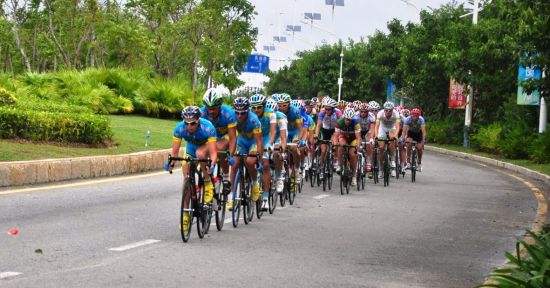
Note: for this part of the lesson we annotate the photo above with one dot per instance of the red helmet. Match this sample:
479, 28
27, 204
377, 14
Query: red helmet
416, 112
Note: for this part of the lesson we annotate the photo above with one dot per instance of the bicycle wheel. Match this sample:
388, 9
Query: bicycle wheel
272, 200
413, 166
186, 193
386, 168
202, 220
259, 212
292, 188
220, 210
236, 212
397, 162
248, 205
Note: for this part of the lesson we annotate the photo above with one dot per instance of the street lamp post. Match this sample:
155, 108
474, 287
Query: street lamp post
340, 79
470, 97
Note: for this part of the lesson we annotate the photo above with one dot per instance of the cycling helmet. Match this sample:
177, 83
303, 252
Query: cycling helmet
373, 105
406, 112
212, 98
190, 113
342, 103
364, 106
271, 104
357, 103
416, 112
314, 100
349, 113
329, 102
388, 105
257, 100
283, 98
241, 104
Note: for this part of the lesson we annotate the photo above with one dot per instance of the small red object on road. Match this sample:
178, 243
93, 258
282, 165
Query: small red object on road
14, 231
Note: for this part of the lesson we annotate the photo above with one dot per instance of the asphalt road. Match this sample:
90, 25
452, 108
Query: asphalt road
446, 230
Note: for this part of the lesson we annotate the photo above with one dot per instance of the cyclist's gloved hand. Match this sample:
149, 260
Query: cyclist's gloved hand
231, 160
268, 147
167, 166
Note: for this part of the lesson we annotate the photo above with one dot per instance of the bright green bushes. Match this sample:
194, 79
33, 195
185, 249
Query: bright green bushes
61, 106
539, 151
6, 97
488, 138
54, 126
445, 131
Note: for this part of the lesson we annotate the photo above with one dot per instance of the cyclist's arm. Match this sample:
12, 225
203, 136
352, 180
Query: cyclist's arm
259, 142
376, 127
336, 136
318, 126
405, 131
176, 144
272, 132
232, 132
395, 130
283, 127
371, 132
358, 134
211, 144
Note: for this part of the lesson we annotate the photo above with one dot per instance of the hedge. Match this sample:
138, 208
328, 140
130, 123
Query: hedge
54, 126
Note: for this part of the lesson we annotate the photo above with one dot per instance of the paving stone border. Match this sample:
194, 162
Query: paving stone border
19, 173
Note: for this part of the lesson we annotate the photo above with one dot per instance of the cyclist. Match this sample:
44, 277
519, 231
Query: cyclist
280, 142
387, 122
326, 124
200, 136
268, 119
414, 128
294, 129
223, 118
404, 113
367, 121
342, 104
348, 132
249, 142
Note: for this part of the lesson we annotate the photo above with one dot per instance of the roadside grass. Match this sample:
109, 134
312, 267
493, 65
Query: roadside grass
542, 168
129, 136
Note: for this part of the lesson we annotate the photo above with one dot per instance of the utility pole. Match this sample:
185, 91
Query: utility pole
470, 97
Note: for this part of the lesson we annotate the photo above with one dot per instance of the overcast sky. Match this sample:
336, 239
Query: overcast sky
358, 18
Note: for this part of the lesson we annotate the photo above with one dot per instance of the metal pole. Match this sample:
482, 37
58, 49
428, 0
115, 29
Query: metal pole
543, 116
470, 97
340, 79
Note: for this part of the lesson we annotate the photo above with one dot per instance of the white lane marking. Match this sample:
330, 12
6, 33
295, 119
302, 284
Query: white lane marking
321, 196
482, 165
134, 245
7, 274
82, 183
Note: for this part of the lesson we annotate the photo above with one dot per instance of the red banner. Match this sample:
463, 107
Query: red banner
457, 95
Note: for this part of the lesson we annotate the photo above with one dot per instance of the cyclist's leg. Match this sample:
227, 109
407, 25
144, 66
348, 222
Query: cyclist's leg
353, 157
341, 141
202, 153
252, 171
223, 145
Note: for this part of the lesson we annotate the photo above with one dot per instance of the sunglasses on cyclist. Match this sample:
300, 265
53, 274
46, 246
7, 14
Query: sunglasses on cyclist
241, 112
258, 107
192, 123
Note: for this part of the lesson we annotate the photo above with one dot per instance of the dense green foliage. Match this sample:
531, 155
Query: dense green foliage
170, 38
531, 271
53, 126
422, 58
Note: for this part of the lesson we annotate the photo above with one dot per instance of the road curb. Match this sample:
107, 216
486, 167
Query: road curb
18, 173
493, 162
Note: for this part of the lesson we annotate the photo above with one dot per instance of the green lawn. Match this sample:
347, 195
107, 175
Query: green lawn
543, 168
129, 136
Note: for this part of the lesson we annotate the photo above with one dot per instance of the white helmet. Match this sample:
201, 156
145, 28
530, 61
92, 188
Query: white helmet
349, 113
327, 101
388, 105
373, 105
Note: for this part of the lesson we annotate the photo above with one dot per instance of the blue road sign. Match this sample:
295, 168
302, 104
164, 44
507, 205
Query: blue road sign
257, 63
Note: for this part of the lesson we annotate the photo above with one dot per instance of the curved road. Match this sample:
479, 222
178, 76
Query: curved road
446, 230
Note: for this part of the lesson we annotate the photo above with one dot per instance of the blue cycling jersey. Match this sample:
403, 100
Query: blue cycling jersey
250, 126
281, 123
269, 117
295, 120
226, 119
204, 133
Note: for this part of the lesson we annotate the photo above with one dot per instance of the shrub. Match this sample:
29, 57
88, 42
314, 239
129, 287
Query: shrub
445, 131
6, 97
539, 151
516, 139
530, 271
54, 126
488, 138
163, 98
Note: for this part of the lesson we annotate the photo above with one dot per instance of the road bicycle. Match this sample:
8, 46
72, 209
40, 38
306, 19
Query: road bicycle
242, 189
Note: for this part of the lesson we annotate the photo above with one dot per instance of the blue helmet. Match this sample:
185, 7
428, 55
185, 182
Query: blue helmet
241, 104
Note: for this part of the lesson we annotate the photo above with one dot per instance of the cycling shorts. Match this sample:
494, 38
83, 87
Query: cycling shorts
326, 134
415, 136
349, 140
382, 132
246, 145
